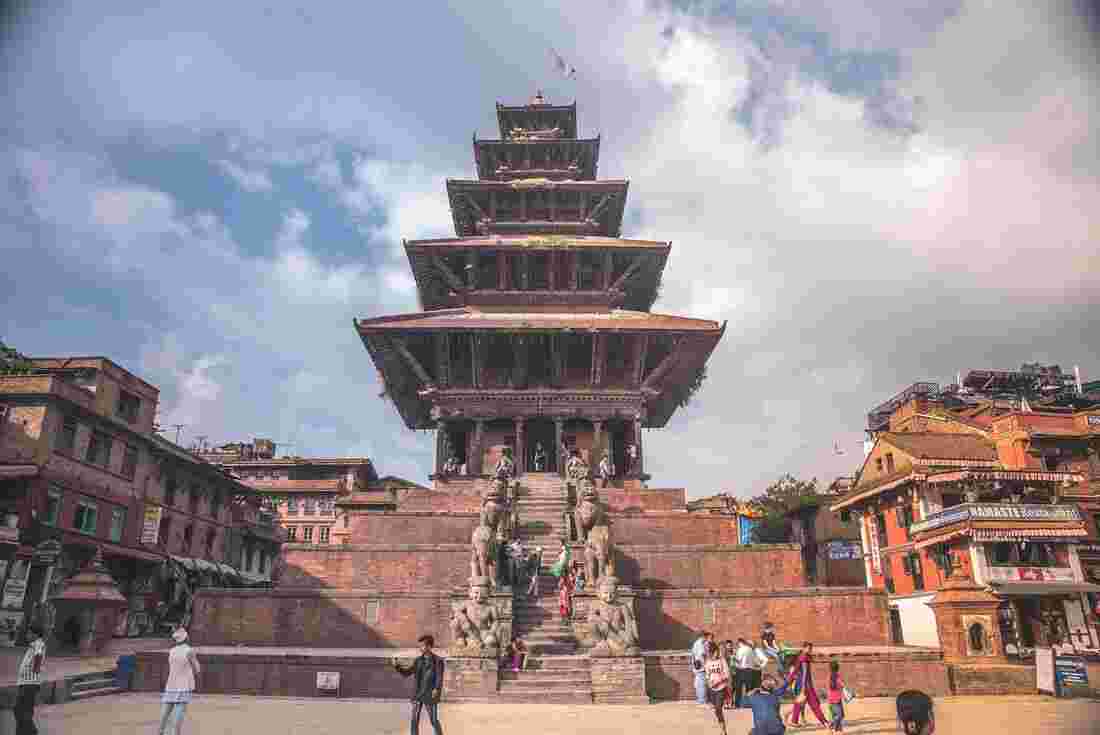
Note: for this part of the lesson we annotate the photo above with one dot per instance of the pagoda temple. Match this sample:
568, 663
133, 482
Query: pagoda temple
536, 332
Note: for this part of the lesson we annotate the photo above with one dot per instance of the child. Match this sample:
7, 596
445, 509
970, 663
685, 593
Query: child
836, 698
915, 713
718, 682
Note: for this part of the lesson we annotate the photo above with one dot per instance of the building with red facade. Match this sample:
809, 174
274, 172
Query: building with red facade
82, 467
1000, 494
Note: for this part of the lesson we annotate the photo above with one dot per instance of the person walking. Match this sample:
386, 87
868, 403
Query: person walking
764, 703
698, 657
742, 676
802, 674
183, 672
757, 662
729, 652
427, 684
915, 713
29, 681
561, 566
836, 698
565, 595
718, 682
534, 568
771, 649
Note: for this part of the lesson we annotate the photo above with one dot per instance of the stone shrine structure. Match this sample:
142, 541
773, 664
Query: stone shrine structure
535, 358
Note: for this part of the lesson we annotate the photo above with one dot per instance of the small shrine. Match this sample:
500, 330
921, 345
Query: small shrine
88, 606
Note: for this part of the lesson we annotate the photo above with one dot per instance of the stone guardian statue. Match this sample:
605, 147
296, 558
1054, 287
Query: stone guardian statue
611, 623
475, 623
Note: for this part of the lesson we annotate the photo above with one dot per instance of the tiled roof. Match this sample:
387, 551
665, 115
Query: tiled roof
932, 445
466, 318
536, 242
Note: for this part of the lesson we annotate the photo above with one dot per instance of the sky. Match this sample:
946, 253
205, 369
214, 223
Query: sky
870, 194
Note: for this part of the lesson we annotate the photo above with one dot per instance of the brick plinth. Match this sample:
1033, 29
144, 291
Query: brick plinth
619, 680
377, 566
827, 616
471, 679
992, 679
666, 565
412, 528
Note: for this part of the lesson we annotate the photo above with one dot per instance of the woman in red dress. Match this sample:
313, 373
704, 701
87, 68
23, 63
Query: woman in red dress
802, 675
565, 594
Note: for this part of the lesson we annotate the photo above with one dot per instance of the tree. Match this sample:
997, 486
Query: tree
782, 496
13, 362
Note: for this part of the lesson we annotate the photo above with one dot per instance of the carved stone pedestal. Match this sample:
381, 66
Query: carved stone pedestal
619, 680
471, 679
966, 616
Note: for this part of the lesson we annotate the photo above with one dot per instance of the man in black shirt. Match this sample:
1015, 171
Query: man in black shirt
428, 686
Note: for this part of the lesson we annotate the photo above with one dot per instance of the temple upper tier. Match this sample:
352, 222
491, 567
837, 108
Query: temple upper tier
537, 269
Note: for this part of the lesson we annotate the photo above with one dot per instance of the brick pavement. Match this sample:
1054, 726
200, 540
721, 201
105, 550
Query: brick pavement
132, 714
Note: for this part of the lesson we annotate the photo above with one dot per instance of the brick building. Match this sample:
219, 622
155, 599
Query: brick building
82, 467
994, 491
831, 549
304, 491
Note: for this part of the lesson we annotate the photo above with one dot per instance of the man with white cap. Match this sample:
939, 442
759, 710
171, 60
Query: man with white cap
183, 671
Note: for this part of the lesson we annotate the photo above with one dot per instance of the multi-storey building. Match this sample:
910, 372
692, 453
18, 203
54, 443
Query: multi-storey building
303, 491
1005, 496
81, 467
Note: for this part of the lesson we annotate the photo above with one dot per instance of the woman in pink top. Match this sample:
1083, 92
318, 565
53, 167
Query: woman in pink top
836, 698
717, 672
183, 669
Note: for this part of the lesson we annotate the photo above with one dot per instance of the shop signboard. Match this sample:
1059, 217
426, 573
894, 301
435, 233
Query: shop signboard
15, 589
150, 527
841, 550
1071, 675
328, 683
1030, 574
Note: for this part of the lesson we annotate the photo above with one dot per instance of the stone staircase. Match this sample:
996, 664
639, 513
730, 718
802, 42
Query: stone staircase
541, 504
555, 671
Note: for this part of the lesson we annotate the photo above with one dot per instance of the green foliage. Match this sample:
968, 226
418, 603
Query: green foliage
782, 496
13, 362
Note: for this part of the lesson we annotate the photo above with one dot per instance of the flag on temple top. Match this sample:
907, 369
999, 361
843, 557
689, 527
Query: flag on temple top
567, 71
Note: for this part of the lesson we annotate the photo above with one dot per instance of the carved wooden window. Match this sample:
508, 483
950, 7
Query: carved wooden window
373, 611
53, 505
99, 449
128, 407
324, 534
118, 524
129, 461
86, 516
307, 534
710, 610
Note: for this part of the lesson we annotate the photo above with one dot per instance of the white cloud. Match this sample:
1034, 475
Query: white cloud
251, 180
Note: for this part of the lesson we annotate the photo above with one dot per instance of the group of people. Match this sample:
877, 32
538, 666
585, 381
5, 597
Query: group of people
732, 676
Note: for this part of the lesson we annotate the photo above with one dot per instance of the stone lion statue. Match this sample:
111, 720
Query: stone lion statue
475, 623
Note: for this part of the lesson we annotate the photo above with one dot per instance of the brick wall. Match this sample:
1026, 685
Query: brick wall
280, 674
827, 616
412, 528
618, 680
673, 528
990, 679
395, 567
623, 499
319, 619
669, 676
758, 567
455, 494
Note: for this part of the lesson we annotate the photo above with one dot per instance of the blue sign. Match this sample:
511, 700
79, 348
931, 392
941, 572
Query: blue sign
1071, 672
745, 528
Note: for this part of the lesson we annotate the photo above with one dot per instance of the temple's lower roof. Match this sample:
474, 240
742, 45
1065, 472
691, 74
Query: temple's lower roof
468, 318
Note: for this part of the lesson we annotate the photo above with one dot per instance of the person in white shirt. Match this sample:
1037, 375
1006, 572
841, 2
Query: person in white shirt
698, 657
183, 671
758, 661
29, 682
742, 676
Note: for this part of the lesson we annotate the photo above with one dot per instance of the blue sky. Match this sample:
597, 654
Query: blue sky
209, 193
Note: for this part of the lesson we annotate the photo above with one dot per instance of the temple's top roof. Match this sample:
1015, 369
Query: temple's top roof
537, 115
535, 242
468, 318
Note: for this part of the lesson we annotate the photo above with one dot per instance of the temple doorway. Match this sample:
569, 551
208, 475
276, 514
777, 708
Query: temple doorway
541, 432
617, 440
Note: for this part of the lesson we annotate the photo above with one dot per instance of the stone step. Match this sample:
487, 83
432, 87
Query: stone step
100, 681
554, 649
525, 681
100, 692
519, 696
539, 662
559, 674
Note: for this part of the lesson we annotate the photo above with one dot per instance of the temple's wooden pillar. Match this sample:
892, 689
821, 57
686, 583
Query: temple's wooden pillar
502, 270
597, 443
559, 461
474, 456
639, 467
552, 270
521, 447
440, 445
